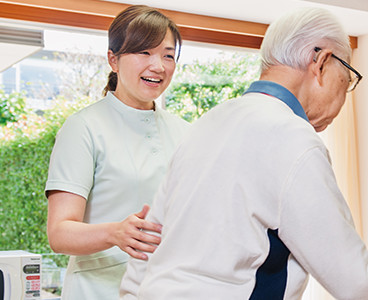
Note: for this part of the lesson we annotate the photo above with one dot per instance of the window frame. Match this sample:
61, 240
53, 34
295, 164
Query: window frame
97, 15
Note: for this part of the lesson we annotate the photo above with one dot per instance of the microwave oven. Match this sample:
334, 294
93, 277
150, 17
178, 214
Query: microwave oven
20, 275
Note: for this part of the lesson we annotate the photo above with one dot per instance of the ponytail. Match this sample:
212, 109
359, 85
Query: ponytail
111, 84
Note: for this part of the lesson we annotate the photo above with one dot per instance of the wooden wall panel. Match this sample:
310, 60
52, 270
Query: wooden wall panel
97, 14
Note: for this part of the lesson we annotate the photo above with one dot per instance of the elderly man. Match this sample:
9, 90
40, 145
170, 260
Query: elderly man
250, 204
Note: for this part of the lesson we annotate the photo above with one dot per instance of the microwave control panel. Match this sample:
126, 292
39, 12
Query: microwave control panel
31, 273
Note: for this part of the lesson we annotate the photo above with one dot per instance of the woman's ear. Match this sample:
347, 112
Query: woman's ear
113, 61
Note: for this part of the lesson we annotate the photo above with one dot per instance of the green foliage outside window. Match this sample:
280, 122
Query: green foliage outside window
25, 148
23, 205
198, 87
26, 141
12, 107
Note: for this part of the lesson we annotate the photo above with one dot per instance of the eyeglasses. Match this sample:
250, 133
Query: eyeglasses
355, 76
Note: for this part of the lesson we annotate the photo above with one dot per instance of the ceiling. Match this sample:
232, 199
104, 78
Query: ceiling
352, 13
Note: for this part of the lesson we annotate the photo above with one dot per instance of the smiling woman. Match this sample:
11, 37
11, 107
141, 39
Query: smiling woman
110, 157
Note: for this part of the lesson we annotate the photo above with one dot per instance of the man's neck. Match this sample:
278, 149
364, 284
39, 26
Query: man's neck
292, 79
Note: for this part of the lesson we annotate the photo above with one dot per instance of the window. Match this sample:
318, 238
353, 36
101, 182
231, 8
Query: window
206, 74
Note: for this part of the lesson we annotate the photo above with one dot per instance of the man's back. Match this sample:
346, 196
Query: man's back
222, 204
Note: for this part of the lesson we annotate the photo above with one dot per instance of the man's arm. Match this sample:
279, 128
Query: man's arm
317, 227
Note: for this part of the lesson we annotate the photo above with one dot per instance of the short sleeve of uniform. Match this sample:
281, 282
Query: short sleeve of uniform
72, 163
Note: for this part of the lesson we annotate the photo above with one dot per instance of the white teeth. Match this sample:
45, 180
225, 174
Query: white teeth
151, 79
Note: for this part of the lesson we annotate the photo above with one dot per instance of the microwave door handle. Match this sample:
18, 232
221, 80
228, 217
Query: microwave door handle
7, 284
8, 287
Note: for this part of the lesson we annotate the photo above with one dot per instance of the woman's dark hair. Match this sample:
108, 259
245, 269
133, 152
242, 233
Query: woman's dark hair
138, 28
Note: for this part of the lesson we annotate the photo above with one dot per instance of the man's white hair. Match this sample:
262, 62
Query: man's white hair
291, 39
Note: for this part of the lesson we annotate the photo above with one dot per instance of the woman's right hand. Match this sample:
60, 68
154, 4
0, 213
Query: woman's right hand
131, 235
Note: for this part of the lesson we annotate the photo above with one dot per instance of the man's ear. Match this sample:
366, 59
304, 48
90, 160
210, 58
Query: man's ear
319, 61
113, 61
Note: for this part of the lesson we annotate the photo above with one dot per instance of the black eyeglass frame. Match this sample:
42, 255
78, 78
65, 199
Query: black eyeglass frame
357, 74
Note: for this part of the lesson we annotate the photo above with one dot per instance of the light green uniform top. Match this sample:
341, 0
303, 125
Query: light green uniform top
115, 156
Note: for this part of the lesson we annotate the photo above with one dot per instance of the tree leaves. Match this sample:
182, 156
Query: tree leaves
198, 87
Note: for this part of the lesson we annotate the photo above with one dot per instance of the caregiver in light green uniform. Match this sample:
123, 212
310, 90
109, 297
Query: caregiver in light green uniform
109, 158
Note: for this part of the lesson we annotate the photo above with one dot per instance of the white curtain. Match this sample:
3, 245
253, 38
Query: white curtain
340, 139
